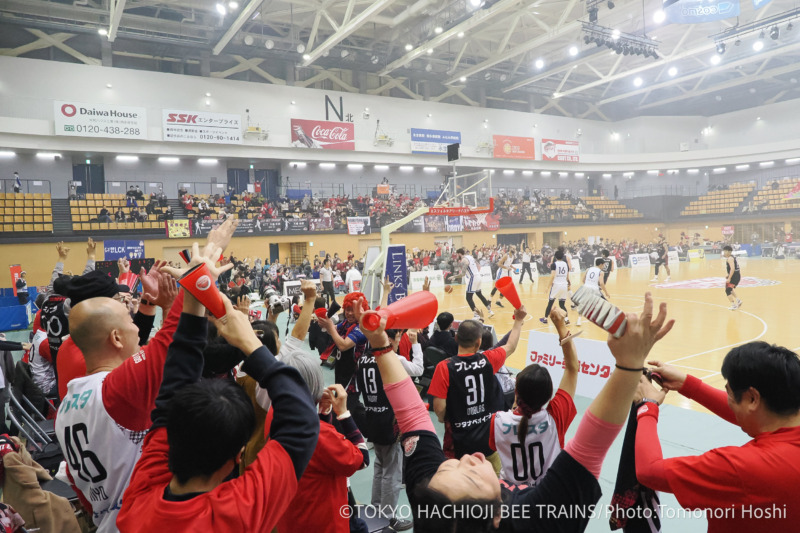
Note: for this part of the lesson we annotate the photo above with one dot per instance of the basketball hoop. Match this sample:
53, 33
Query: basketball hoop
452, 211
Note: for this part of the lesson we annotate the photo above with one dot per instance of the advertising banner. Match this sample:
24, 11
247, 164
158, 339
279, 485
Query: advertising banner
295, 224
323, 135
178, 228
454, 224
696, 254
507, 147
384, 189
111, 268
596, 361
246, 226
436, 224
201, 127
16, 271
481, 222
556, 150
113, 250
639, 260
110, 121
432, 141
699, 11
397, 271
415, 226
292, 288
673, 258
435, 277
320, 224
358, 225
727, 230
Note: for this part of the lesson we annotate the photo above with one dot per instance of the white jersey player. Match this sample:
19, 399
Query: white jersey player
472, 278
504, 269
593, 279
559, 285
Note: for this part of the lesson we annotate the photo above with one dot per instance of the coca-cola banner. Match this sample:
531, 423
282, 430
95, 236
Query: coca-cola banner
556, 150
320, 224
507, 147
296, 224
321, 134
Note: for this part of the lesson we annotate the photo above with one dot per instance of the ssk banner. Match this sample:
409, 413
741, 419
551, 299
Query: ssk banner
201, 127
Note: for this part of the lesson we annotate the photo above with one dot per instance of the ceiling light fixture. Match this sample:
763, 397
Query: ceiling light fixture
102, 31
673, 71
539, 64
269, 44
409, 48
221, 9
437, 30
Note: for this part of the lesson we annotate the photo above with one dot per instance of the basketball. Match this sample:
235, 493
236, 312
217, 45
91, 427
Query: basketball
448, 289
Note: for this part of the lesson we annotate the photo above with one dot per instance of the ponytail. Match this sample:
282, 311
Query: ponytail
534, 389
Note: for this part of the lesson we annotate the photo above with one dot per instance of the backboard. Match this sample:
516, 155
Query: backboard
466, 194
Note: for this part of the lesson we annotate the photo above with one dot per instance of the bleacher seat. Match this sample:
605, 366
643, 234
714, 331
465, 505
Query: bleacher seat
25, 212
719, 201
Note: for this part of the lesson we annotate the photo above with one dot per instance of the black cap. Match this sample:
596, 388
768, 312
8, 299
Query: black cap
92, 285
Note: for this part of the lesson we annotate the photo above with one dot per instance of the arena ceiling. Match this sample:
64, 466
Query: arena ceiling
509, 54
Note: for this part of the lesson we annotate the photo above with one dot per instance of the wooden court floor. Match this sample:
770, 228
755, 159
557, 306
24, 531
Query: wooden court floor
705, 329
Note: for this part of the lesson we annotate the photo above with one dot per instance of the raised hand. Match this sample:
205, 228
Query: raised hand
426, 285
387, 285
166, 293
236, 329
377, 337
671, 378
641, 333
557, 315
150, 279
412, 336
123, 266
91, 248
243, 305
520, 314
221, 235
647, 390
339, 400
63, 251
209, 256
309, 290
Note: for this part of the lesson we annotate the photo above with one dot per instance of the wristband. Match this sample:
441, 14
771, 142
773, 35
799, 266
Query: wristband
380, 351
630, 369
344, 415
642, 407
146, 302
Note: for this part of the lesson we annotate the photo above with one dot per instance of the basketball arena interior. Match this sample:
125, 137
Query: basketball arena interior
391, 150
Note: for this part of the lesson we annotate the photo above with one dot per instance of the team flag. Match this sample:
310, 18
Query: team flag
794, 194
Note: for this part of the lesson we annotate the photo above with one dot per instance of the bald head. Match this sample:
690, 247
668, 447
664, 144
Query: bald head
102, 326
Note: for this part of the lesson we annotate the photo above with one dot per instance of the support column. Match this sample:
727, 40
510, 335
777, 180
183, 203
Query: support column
105, 53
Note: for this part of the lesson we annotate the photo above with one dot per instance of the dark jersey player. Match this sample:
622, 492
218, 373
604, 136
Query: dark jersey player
608, 266
732, 279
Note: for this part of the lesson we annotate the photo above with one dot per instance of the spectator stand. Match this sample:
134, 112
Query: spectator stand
26, 212
29, 186
772, 196
85, 214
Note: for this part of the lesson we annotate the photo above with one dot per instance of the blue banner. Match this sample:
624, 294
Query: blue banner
432, 141
397, 270
699, 11
114, 250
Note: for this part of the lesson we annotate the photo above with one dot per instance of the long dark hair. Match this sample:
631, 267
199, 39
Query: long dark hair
534, 389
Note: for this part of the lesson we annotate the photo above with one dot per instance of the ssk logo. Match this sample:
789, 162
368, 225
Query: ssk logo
182, 118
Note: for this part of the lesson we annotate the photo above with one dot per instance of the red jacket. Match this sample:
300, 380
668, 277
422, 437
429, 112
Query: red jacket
322, 491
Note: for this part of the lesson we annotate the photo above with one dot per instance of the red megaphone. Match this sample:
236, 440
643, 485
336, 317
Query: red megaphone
509, 290
414, 311
200, 285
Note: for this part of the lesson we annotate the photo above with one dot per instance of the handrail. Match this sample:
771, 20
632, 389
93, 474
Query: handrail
121, 187
28, 186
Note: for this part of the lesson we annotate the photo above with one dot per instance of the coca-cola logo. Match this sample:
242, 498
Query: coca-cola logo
332, 134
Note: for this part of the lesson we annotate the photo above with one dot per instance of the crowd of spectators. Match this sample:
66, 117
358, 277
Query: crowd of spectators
205, 420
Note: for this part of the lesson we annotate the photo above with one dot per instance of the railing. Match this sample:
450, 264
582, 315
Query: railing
199, 187
122, 187
324, 190
28, 186
664, 190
